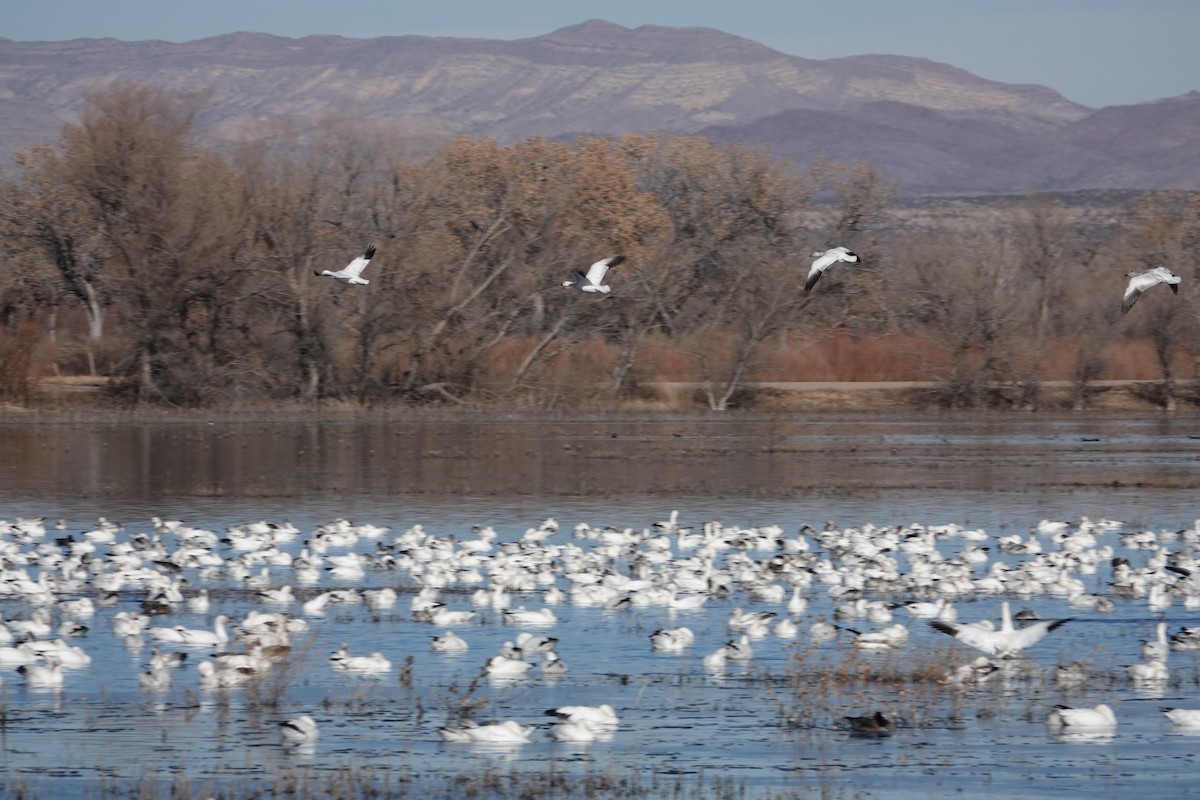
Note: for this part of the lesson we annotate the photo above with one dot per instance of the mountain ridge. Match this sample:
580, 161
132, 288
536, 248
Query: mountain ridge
935, 127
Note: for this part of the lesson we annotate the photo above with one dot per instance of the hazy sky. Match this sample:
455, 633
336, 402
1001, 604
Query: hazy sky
1095, 52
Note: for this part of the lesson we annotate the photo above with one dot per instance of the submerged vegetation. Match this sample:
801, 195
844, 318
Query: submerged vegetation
173, 275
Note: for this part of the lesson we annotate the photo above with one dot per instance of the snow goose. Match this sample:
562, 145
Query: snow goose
376, 662
593, 281
155, 680
352, 272
1072, 674
821, 631
716, 659
971, 674
603, 714
739, 619
880, 639
448, 642
787, 629
1139, 282
739, 649
1157, 649
1066, 717
529, 643
552, 664
129, 623
521, 616
42, 675
581, 731
21, 654
299, 729
205, 638
1007, 641
212, 677
796, 604
505, 667
282, 596
824, 260
1183, 717
1188, 638
1150, 672
672, 640
507, 732
66, 655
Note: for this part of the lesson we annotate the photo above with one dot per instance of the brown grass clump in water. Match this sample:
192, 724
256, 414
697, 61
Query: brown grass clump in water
822, 691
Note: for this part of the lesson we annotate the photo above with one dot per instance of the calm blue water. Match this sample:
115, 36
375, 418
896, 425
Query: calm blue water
679, 721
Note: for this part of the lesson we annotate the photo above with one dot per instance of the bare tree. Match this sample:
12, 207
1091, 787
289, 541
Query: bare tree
160, 205
45, 221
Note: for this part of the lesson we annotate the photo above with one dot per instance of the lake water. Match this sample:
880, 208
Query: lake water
769, 725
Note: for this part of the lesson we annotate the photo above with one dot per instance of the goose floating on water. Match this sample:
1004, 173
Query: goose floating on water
603, 714
1100, 716
507, 732
300, 729
1183, 717
449, 642
352, 272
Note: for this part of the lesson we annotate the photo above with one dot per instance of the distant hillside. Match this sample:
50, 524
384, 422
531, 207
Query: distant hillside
933, 127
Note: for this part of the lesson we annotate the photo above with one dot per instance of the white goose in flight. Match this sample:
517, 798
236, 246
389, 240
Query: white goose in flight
1007, 641
593, 281
352, 272
825, 260
1141, 281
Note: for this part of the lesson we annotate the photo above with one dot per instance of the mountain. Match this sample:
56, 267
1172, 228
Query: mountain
931, 126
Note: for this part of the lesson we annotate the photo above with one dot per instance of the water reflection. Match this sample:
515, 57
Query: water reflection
755, 458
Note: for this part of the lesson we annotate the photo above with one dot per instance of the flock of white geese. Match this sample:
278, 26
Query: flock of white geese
58, 582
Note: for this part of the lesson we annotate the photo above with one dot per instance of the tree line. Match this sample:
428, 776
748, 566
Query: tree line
186, 274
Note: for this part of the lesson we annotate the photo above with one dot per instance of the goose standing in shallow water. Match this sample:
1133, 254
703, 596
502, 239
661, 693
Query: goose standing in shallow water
825, 260
593, 281
352, 272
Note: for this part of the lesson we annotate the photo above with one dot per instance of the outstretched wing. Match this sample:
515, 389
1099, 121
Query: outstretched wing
595, 273
1133, 290
1030, 635
814, 275
984, 641
356, 266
